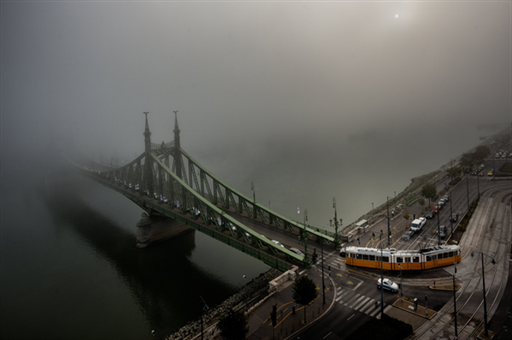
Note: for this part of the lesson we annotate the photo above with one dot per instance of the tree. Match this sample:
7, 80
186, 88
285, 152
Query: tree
429, 192
481, 153
467, 161
233, 326
453, 172
406, 215
421, 202
304, 291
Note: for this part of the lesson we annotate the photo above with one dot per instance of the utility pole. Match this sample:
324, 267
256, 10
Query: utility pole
455, 302
467, 189
336, 236
451, 213
381, 285
323, 283
389, 231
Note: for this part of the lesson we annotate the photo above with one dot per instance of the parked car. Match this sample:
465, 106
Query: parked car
435, 209
388, 285
429, 215
454, 217
442, 231
407, 236
446, 198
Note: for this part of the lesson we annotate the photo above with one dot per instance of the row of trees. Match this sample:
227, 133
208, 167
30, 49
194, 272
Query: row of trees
474, 158
233, 326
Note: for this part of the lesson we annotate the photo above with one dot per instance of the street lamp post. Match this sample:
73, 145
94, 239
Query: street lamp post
455, 301
401, 278
483, 283
451, 213
336, 236
381, 285
438, 233
467, 189
254, 199
389, 231
322, 254
305, 235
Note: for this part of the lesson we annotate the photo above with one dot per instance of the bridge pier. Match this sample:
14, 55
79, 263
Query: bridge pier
151, 229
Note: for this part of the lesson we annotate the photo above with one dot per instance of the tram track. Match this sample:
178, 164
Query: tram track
473, 323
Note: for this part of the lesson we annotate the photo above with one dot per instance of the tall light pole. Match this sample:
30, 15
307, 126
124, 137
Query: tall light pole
254, 199
323, 283
381, 285
305, 236
401, 278
451, 213
336, 237
389, 231
438, 233
455, 301
483, 283
467, 189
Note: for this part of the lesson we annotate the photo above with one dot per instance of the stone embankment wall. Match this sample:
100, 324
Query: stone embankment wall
251, 289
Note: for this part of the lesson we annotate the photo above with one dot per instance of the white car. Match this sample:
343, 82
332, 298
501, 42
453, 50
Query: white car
278, 243
389, 285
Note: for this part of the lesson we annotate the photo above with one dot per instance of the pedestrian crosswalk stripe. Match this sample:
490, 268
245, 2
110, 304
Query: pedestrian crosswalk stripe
365, 300
356, 301
375, 313
368, 307
359, 302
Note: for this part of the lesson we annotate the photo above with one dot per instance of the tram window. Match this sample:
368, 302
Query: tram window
407, 259
358, 256
415, 259
451, 254
372, 257
445, 255
365, 257
377, 258
399, 260
385, 259
352, 255
434, 257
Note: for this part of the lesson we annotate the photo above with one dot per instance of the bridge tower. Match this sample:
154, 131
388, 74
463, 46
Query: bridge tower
177, 146
147, 162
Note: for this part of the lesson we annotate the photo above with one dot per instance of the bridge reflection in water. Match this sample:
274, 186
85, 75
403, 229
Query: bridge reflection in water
157, 276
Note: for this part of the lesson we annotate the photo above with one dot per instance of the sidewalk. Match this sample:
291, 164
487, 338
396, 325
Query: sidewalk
260, 324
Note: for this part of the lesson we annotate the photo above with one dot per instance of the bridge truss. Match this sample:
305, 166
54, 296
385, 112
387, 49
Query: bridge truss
167, 181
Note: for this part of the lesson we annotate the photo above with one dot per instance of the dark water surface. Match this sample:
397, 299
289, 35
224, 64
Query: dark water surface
70, 268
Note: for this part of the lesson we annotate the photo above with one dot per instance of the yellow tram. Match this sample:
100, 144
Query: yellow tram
392, 259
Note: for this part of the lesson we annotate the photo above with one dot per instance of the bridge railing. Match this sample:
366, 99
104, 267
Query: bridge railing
245, 202
240, 226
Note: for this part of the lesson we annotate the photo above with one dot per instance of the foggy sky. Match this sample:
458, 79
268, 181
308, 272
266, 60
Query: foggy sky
251, 74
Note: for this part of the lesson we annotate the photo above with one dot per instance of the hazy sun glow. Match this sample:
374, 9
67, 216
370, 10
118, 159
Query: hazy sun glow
396, 15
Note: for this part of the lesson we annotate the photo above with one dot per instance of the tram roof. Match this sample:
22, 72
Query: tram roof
389, 251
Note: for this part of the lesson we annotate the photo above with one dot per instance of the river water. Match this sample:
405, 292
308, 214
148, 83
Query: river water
70, 268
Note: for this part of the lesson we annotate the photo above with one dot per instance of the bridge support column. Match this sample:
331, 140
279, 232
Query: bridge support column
151, 229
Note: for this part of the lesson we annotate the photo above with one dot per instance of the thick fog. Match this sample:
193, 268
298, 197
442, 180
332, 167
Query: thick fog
260, 78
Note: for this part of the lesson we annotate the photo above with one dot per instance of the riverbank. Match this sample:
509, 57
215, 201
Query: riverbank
248, 295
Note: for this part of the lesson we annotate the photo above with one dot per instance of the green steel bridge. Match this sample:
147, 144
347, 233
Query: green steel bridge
183, 190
